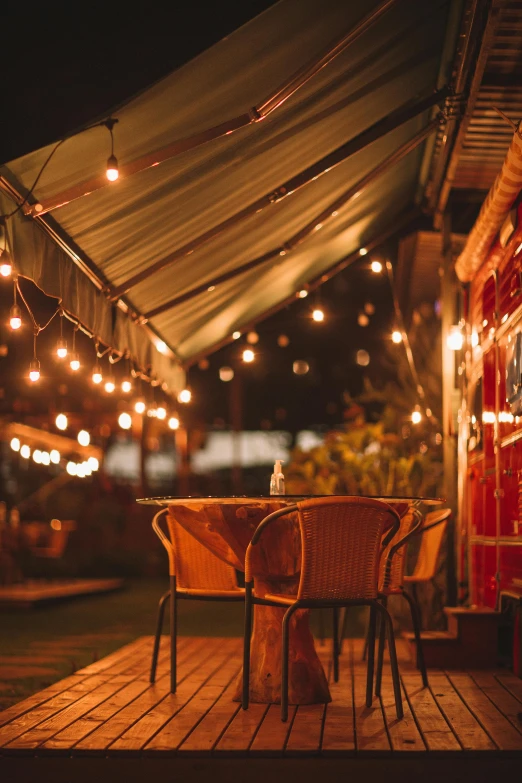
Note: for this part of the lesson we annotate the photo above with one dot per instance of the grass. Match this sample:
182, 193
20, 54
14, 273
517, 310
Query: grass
43, 645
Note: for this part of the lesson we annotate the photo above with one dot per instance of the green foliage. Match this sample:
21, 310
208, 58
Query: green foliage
364, 458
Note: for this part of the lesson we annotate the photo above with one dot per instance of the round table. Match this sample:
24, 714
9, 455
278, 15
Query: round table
225, 526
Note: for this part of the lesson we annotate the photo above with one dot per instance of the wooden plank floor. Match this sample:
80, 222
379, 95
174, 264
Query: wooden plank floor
109, 709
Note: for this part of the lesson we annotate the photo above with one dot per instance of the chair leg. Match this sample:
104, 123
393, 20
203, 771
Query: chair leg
157, 638
285, 651
371, 653
335, 644
173, 634
386, 618
415, 618
246, 645
366, 638
321, 627
380, 654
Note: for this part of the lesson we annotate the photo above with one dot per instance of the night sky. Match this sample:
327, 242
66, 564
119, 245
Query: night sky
67, 69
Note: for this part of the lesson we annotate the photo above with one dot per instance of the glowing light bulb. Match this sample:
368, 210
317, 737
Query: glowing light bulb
71, 468
318, 315
34, 370
185, 396
174, 423
74, 364
248, 355
6, 269
226, 374
376, 267
303, 293
396, 337
252, 338
84, 438
110, 386
37, 456
162, 347
61, 421
362, 319
126, 386
455, 338
15, 444
25, 452
55, 457
15, 317
416, 417
97, 376
139, 406
283, 341
112, 172
93, 463
61, 349
236, 335
363, 251
46, 458
125, 421
362, 358
161, 413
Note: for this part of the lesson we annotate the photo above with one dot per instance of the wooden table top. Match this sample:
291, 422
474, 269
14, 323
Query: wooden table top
188, 500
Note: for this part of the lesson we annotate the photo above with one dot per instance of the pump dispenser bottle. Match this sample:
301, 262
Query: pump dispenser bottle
277, 482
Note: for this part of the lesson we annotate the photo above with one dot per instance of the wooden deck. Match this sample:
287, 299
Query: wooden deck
107, 720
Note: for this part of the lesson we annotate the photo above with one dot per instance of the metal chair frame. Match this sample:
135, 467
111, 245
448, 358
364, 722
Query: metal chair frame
376, 608
174, 594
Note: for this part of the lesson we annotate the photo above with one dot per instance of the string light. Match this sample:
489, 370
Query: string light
376, 267
363, 251
55, 456
396, 337
416, 417
34, 366
248, 355
139, 406
15, 314
318, 314
362, 319
61, 421
97, 376
25, 451
61, 347
252, 338
362, 358
109, 383
74, 362
173, 423
112, 172
302, 294
161, 412
15, 444
185, 396
93, 463
46, 458
236, 335
72, 469
455, 338
84, 438
369, 308
300, 367
37, 456
126, 385
226, 374
283, 341
6, 266
125, 421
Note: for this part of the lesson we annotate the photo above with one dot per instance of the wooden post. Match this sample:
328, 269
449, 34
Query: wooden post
450, 398
183, 460
143, 435
236, 426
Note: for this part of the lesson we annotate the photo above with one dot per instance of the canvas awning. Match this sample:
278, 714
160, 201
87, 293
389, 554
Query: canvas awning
204, 213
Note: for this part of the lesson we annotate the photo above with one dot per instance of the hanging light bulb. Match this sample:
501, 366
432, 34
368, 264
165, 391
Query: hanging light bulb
302, 294
376, 267
34, 370
46, 458
55, 456
236, 335
110, 386
61, 347
37, 456
6, 265
226, 374
283, 341
396, 337
248, 355
15, 317
363, 251
112, 171
61, 421
416, 417
152, 410
126, 385
185, 396
139, 406
84, 438
15, 444
74, 364
318, 314
25, 451
93, 463
252, 338
72, 469
125, 421
174, 423
161, 412
362, 319
97, 376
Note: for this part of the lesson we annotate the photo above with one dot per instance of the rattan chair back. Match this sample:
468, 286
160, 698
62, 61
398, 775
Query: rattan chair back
341, 539
195, 566
430, 546
393, 565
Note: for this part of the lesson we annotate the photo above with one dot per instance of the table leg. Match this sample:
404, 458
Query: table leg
307, 680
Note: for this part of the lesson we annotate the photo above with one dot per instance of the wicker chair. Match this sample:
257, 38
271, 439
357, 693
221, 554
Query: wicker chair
195, 574
341, 543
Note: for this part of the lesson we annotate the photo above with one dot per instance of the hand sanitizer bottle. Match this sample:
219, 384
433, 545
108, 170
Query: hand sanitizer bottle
277, 482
